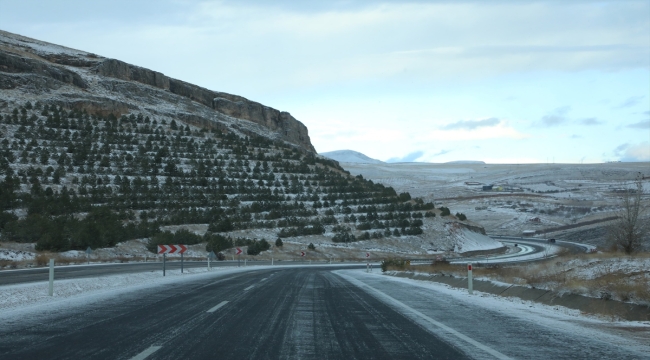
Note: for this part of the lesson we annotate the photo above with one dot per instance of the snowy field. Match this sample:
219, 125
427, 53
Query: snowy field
523, 197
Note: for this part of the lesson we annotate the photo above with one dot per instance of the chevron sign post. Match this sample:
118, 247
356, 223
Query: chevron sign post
171, 249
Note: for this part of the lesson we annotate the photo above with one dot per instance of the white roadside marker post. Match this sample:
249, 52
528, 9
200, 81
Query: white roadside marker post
51, 289
470, 286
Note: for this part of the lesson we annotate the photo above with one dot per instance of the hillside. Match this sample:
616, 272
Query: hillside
350, 156
35, 70
90, 160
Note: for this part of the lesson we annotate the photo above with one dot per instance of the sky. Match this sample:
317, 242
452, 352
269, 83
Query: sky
564, 81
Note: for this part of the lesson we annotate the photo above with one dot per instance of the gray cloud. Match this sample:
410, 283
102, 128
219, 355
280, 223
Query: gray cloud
631, 101
618, 151
555, 118
471, 124
590, 122
645, 124
575, 136
407, 158
441, 152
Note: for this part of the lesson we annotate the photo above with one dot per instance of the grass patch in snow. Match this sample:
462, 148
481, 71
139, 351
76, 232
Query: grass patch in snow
602, 275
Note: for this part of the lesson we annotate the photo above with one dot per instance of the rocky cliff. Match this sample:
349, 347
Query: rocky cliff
32, 70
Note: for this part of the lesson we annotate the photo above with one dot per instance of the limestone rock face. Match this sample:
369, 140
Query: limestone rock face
11, 63
280, 121
33, 70
123, 71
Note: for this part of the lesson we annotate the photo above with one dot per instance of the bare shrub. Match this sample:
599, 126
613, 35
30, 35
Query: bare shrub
42, 260
632, 229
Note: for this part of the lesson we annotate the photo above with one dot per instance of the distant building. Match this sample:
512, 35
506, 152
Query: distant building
530, 232
472, 183
487, 187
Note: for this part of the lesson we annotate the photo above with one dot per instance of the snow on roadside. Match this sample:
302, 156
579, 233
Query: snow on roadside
75, 291
632, 334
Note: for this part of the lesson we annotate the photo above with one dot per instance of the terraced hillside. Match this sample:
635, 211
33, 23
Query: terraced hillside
61, 163
95, 151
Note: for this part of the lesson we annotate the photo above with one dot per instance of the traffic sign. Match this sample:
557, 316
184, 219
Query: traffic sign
302, 253
238, 251
367, 255
171, 249
89, 251
212, 255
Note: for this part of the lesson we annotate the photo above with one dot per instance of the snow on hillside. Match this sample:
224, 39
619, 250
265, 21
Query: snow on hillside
16, 255
350, 156
467, 240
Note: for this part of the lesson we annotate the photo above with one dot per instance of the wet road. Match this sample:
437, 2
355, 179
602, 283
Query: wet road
306, 313
313, 312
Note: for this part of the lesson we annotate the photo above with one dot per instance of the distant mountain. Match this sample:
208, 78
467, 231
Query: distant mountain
350, 156
466, 162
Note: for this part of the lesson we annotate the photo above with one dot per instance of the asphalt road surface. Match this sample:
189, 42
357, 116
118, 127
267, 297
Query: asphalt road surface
8, 277
308, 313
291, 313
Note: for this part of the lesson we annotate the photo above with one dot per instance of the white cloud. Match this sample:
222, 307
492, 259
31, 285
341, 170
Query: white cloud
471, 124
633, 152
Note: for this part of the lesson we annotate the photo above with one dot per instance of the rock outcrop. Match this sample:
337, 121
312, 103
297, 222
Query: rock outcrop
32, 70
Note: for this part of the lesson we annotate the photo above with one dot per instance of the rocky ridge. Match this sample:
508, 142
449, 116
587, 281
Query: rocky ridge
33, 70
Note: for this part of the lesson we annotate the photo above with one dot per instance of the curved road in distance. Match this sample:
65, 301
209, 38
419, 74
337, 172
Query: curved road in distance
530, 250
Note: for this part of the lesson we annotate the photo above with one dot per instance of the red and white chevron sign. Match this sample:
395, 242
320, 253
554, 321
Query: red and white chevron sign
238, 251
171, 249
302, 253
367, 255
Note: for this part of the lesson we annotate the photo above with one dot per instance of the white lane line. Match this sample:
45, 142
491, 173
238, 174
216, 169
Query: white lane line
143, 355
220, 305
216, 282
264, 279
250, 287
401, 305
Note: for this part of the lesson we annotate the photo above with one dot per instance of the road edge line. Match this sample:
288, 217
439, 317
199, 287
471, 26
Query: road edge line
390, 299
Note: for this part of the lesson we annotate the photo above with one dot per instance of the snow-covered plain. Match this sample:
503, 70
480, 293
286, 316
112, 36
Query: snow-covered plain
524, 196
